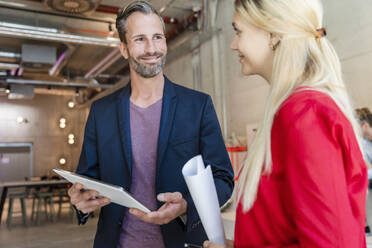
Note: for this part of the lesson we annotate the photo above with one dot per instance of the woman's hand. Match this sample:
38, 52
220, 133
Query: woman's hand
209, 244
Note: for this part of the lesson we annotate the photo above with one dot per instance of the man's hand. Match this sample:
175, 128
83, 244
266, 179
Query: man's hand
173, 207
86, 201
209, 244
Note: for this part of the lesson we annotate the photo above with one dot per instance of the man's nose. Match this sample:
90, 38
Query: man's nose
150, 47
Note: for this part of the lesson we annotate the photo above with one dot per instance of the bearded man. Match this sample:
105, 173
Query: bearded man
140, 137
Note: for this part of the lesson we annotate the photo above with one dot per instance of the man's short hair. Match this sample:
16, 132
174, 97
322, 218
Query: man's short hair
136, 6
364, 116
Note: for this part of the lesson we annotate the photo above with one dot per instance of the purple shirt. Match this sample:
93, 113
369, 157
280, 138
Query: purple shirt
144, 130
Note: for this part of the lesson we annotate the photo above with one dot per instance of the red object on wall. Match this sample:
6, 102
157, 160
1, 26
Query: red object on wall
234, 157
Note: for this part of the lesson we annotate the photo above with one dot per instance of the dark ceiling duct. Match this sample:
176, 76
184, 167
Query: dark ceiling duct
79, 7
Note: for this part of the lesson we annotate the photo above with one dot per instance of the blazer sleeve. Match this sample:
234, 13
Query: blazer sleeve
214, 153
88, 162
324, 175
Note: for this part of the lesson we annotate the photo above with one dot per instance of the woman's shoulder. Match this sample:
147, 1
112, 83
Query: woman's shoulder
308, 106
306, 99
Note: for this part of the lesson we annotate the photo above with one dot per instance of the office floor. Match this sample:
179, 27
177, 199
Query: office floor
64, 233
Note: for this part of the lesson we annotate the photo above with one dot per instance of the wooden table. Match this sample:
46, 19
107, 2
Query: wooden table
28, 184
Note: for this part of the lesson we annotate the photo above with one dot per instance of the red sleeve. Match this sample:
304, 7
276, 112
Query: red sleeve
325, 176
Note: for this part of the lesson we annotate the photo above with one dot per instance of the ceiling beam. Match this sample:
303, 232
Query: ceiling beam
60, 84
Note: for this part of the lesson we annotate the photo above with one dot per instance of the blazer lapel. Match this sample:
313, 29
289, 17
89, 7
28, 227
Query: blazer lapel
124, 125
167, 116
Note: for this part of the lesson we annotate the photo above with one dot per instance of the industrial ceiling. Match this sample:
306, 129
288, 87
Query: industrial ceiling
72, 45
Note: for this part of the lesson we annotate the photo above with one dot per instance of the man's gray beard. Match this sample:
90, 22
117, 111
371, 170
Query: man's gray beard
146, 70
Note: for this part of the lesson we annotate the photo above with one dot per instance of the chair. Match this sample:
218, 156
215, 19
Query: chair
21, 197
43, 194
38, 198
63, 198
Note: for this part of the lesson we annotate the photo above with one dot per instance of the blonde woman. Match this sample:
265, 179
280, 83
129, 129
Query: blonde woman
304, 181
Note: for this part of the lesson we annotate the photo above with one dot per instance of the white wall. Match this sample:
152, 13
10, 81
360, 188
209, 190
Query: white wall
49, 141
180, 71
349, 28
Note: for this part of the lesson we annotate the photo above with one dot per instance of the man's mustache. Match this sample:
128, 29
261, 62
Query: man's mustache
155, 54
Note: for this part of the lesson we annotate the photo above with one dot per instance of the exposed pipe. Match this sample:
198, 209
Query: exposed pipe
60, 84
55, 92
22, 31
219, 90
182, 25
123, 82
57, 64
162, 9
38, 10
108, 64
101, 8
8, 66
20, 71
102, 62
62, 61
9, 55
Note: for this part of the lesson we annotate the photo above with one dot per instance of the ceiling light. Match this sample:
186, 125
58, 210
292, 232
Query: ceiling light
71, 136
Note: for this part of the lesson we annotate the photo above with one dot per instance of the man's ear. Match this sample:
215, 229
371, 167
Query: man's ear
124, 50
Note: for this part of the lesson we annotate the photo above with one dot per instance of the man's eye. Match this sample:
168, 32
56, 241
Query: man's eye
158, 37
139, 39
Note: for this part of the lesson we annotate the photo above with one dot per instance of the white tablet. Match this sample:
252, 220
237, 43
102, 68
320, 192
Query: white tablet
115, 193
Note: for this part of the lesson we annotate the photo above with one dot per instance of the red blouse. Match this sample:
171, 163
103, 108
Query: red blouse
315, 195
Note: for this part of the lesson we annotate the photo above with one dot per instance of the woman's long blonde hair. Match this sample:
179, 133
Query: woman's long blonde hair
302, 58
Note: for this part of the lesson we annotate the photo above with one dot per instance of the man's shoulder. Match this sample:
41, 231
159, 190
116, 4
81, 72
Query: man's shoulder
183, 91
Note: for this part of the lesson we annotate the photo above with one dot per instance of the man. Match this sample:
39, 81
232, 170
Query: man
365, 122
140, 137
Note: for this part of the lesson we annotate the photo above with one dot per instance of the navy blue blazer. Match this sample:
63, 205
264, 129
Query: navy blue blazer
188, 127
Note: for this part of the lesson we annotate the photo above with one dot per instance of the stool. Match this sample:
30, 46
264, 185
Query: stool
39, 197
21, 197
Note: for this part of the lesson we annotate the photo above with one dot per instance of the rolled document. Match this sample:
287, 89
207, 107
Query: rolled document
200, 182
